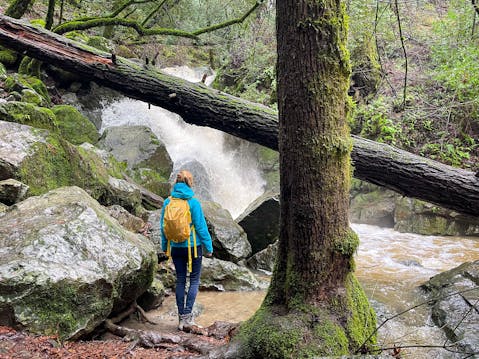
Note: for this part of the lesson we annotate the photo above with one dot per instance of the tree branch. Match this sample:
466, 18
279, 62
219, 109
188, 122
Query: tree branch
88, 23
404, 51
155, 10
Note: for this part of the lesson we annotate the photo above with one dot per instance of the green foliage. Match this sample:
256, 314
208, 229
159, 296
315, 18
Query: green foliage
451, 153
372, 121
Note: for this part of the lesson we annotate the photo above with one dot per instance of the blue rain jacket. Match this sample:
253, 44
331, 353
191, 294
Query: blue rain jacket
203, 237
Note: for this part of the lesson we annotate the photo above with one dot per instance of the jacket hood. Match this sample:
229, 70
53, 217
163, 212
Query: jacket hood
181, 190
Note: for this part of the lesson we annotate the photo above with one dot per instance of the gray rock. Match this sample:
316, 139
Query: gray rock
153, 297
261, 221
42, 161
222, 275
264, 260
201, 178
12, 191
65, 264
125, 219
454, 298
139, 147
229, 239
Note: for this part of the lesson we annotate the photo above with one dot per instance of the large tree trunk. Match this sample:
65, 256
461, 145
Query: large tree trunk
381, 164
314, 303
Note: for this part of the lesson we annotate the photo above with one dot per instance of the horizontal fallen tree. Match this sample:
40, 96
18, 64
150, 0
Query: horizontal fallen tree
381, 164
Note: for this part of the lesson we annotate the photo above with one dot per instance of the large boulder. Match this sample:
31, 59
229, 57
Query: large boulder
201, 177
261, 221
43, 161
145, 155
229, 239
221, 275
66, 264
454, 297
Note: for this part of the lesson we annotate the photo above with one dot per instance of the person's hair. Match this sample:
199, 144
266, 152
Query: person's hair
185, 176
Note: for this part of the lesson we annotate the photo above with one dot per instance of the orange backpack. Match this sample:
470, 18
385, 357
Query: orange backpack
177, 226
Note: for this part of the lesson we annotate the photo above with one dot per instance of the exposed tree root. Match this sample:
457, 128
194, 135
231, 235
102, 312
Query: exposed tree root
189, 340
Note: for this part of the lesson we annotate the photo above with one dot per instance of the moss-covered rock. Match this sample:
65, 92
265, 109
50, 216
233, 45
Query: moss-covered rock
69, 264
28, 114
45, 161
416, 216
73, 126
32, 97
100, 43
7, 56
17, 82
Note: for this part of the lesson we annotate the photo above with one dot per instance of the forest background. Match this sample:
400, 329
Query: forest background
415, 79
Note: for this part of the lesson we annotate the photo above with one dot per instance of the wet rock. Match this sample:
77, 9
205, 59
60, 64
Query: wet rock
454, 298
87, 97
260, 221
154, 228
146, 157
127, 220
122, 192
12, 191
229, 239
200, 175
66, 264
73, 126
264, 260
372, 205
43, 161
222, 275
153, 297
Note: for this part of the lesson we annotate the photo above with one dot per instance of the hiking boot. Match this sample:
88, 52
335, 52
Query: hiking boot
182, 321
190, 320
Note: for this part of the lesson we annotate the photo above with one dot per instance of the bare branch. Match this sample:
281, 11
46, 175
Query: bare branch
404, 51
408, 310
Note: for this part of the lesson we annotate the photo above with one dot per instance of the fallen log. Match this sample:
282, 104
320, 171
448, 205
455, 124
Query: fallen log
401, 171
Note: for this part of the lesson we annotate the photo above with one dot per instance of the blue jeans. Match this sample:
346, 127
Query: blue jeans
180, 260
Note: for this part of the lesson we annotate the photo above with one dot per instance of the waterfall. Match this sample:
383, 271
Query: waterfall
232, 171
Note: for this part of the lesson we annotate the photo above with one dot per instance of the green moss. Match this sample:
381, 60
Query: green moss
32, 97
18, 83
361, 323
99, 43
75, 127
58, 163
74, 307
28, 114
151, 180
7, 56
347, 243
269, 334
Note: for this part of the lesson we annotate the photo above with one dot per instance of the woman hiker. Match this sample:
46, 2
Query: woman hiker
185, 252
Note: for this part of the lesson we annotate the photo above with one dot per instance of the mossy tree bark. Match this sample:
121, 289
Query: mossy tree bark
314, 305
17, 8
